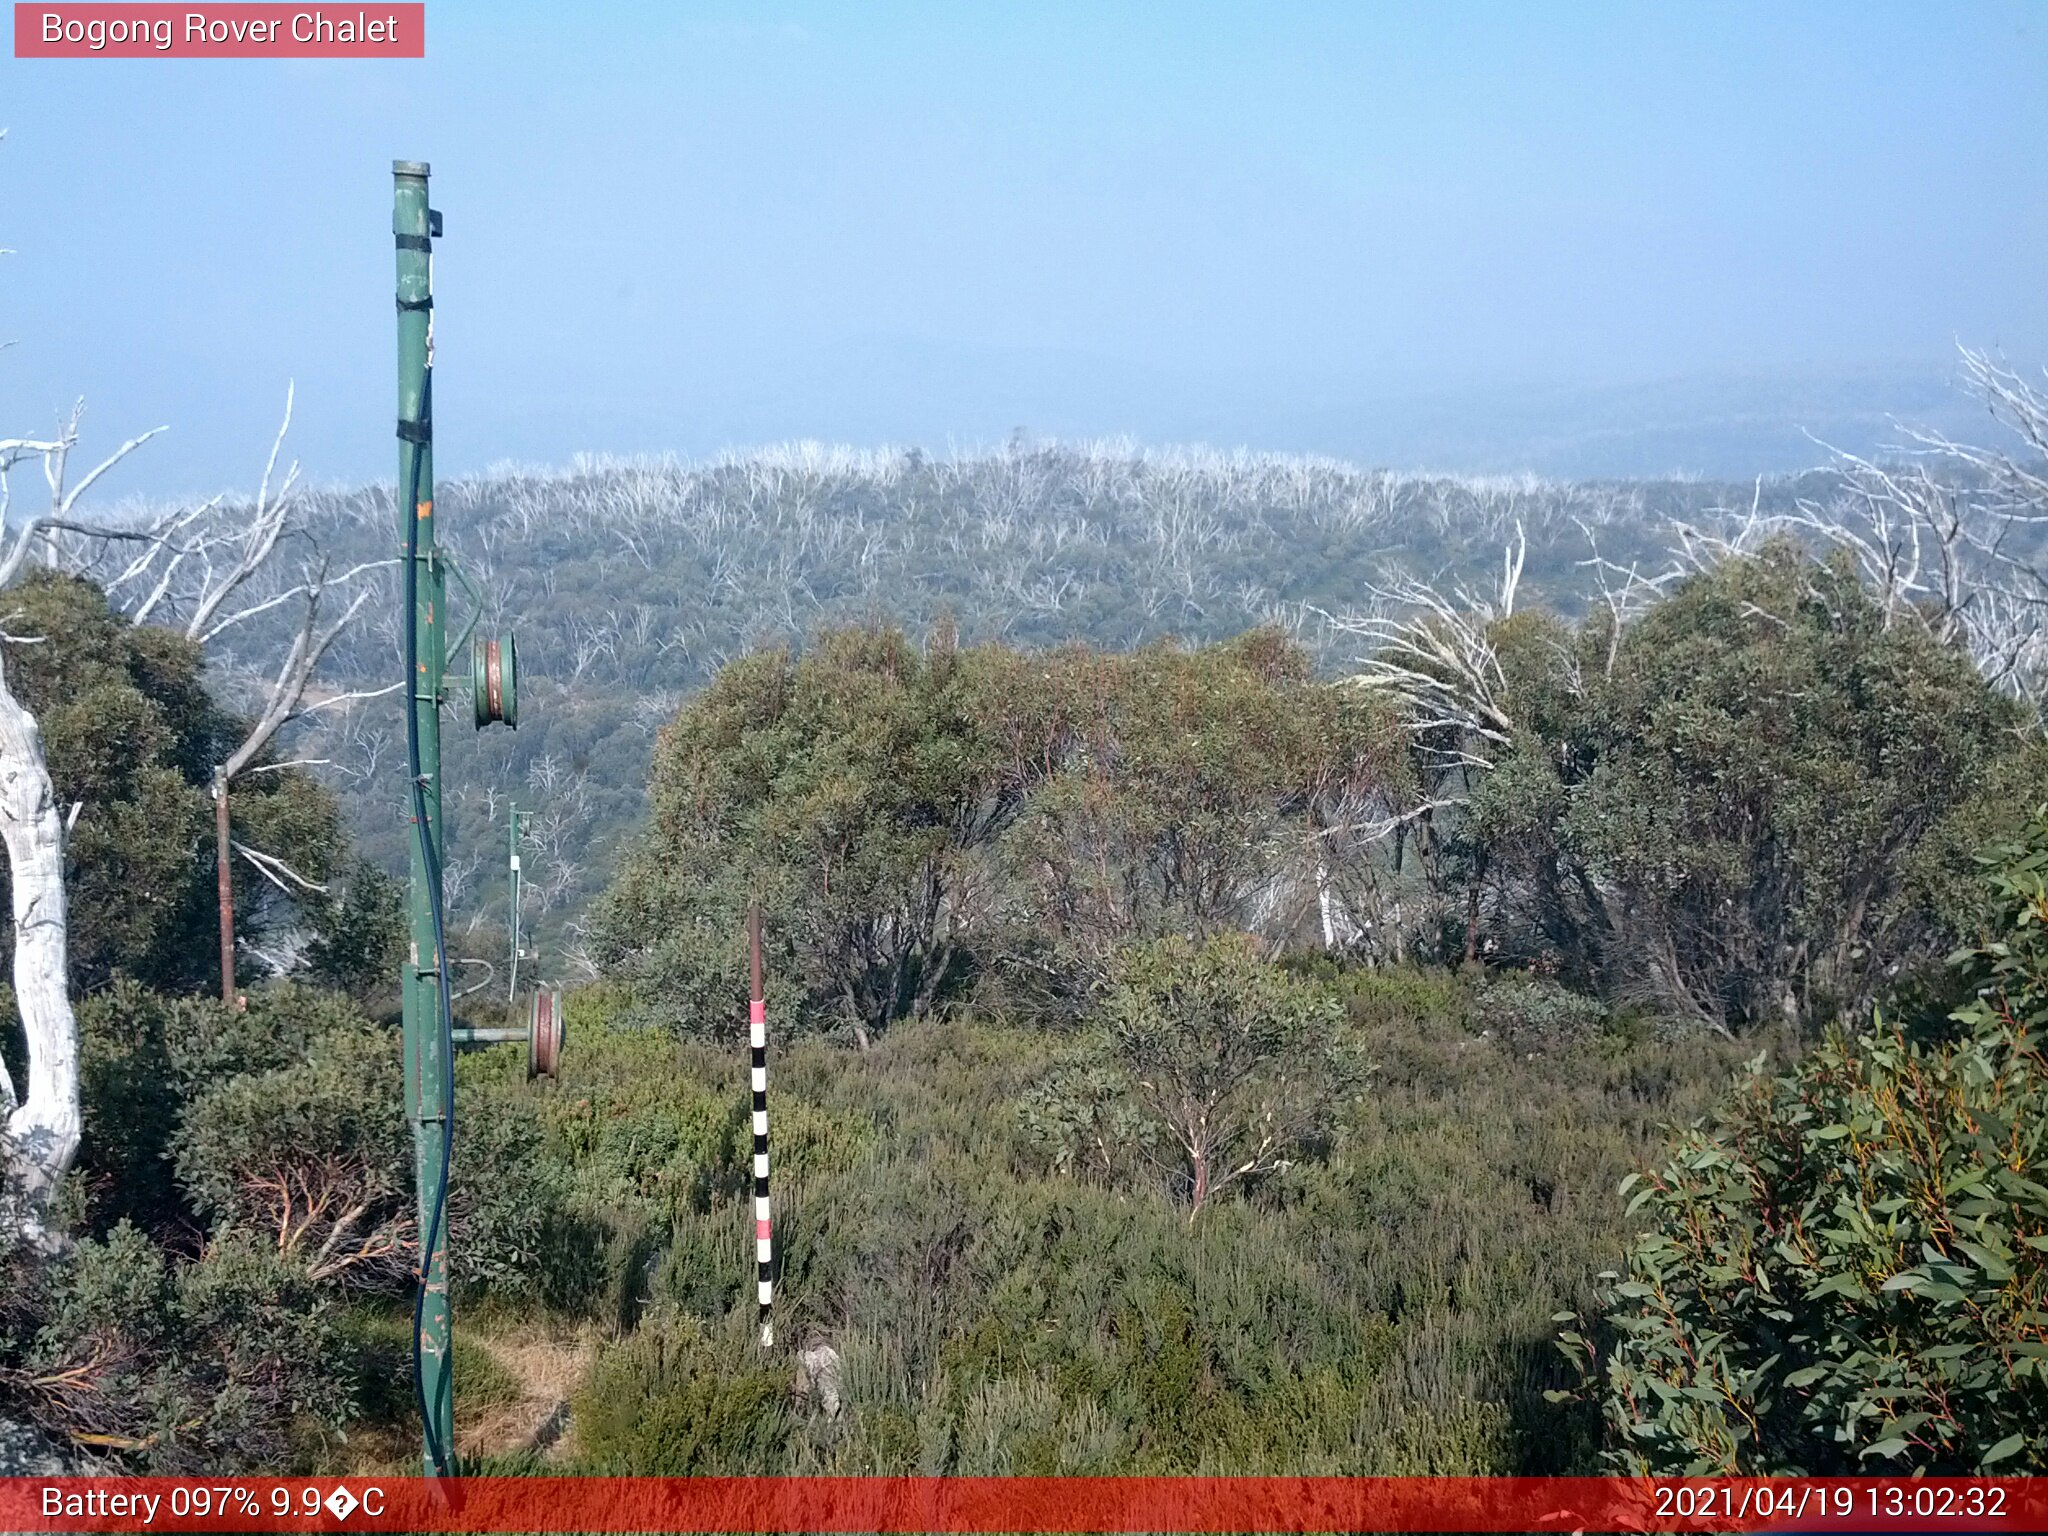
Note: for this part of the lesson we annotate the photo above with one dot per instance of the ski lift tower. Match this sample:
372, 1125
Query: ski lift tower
430, 1033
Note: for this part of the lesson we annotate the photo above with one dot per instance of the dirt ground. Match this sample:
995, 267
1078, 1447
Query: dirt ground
547, 1371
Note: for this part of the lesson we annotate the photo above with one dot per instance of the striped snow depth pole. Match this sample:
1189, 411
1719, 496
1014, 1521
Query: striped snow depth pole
757, 1040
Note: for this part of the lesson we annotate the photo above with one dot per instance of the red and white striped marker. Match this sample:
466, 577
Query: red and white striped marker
757, 1041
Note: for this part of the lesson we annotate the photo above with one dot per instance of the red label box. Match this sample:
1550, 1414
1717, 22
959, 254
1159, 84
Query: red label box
368, 29
1013, 1504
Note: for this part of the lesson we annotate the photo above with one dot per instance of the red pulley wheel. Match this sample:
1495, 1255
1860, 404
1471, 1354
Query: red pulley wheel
494, 681
544, 1034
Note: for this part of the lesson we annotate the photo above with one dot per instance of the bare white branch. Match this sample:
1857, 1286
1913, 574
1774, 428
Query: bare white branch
277, 871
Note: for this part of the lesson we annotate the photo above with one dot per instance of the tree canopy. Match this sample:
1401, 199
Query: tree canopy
1758, 799
131, 733
912, 815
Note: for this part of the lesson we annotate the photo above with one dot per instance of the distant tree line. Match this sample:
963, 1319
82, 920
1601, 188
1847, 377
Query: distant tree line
631, 584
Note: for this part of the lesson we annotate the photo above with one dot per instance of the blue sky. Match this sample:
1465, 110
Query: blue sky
689, 226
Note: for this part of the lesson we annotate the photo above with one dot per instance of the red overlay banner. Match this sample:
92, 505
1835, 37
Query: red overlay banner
371, 30
991, 1504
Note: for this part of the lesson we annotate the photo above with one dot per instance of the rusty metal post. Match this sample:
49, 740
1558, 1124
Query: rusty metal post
224, 847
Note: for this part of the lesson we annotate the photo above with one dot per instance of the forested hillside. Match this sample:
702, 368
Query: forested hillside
629, 585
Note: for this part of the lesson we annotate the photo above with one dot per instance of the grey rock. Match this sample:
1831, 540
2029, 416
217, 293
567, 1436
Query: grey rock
26, 1451
818, 1376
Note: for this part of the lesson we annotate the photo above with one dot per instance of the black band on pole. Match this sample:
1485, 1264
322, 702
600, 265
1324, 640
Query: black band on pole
413, 242
416, 431
426, 303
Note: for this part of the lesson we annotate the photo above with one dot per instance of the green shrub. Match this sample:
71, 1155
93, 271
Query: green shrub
363, 940
1389, 998
566, 1192
514, 1232
1847, 1265
314, 1154
128, 1104
1530, 1013
235, 1361
678, 1401
641, 1139
1380, 1307
308, 1144
378, 1343
144, 1056
208, 1042
1081, 1118
1233, 1063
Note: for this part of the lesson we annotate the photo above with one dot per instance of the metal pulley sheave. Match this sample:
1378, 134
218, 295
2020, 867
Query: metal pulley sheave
494, 681
546, 1028
544, 1032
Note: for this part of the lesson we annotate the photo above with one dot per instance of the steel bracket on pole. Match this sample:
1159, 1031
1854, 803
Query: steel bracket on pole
476, 602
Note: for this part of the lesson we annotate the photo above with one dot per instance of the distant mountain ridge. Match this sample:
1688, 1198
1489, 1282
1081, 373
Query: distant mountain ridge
947, 398
1726, 425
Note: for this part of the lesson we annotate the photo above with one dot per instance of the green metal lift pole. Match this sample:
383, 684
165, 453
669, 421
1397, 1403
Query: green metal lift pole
427, 1063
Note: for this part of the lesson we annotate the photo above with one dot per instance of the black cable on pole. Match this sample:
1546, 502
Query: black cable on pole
430, 859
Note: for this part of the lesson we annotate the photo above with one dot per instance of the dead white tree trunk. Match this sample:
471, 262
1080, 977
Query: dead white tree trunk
211, 570
41, 1133
43, 1127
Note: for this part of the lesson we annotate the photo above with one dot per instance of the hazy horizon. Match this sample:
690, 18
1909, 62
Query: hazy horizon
1586, 240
